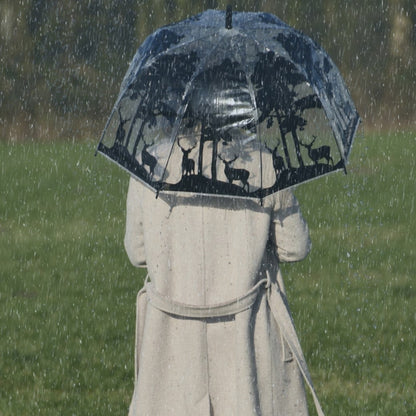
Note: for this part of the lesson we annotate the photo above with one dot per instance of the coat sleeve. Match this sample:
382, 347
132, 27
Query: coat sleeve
133, 238
290, 231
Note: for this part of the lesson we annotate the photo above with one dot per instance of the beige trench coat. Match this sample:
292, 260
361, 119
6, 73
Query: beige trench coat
204, 251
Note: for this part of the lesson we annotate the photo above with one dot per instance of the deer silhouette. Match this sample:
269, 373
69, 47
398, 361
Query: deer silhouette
323, 152
278, 161
148, 159
235, 174
188, 165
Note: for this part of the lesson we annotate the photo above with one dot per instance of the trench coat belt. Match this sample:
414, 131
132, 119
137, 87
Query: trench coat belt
278, 306
232, 307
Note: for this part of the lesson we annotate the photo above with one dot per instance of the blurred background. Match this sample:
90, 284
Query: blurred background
61, 63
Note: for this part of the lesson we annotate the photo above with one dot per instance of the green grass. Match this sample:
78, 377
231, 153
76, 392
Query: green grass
354, 297
67, 291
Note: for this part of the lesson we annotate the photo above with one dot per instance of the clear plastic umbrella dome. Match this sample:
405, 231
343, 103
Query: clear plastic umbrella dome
244, 110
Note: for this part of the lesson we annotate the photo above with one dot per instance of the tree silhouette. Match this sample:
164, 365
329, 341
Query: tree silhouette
121, 132
275, 80
158, 91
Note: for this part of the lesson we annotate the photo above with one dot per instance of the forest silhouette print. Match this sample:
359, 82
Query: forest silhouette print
210, 110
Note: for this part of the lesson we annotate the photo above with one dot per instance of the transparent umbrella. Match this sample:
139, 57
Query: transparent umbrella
224, 103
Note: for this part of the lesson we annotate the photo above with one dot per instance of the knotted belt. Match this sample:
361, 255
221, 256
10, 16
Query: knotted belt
276, 301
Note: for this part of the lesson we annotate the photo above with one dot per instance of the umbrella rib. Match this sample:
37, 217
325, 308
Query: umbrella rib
253, 98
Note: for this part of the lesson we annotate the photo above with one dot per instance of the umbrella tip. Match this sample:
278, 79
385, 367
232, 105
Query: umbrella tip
229, 17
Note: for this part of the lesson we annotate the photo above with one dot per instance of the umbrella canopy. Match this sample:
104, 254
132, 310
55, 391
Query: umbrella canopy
234, 104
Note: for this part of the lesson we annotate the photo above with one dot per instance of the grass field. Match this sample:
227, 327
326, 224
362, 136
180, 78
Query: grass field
67, 291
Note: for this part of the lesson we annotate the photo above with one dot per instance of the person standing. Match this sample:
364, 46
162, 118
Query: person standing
207, 338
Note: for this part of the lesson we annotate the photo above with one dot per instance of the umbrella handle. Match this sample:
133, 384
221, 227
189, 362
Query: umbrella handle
229, 17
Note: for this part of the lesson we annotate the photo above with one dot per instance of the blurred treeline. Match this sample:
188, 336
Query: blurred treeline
62, 62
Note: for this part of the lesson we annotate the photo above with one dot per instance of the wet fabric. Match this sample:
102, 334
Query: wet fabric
203, 251
276, 302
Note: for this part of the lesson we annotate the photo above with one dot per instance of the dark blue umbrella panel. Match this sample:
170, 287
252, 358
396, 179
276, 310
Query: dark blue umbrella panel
244, 111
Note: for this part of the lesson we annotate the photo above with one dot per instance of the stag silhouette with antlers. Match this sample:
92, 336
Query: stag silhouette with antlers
323, 152
278, 161
235, 174
188, 165
148, 159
